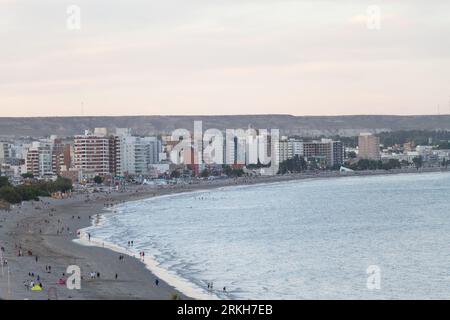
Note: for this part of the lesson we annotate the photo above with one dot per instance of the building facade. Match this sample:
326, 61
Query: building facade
369, 147
92, 152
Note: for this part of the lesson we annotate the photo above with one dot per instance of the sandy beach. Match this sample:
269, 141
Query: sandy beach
37, 235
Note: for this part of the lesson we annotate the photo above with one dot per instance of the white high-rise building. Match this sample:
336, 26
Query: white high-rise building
295, 148
136, 154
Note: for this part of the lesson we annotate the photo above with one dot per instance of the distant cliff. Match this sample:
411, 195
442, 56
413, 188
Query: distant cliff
288, 125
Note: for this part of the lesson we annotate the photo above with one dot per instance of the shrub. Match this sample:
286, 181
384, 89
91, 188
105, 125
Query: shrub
9, 194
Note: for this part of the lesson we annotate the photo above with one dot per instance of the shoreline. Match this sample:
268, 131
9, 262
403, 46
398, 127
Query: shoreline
33, 226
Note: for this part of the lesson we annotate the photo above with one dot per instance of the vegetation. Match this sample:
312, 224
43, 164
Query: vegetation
4, 182
33, 191
175, 174
233, 172
204, 173
418, 162
296, 164
98, 180
365, 164
351, 154
258, 165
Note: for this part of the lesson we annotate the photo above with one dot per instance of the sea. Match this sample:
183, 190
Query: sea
371, 237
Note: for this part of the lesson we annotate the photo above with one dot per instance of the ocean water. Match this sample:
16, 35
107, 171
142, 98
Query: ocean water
310, 239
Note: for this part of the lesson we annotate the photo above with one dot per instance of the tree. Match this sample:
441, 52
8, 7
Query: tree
237, 172
351, 154
418, 161
204, 173
98, 180
27, 176
9, 194
296, 164
4, 182
227, 170
64, 184
175, 174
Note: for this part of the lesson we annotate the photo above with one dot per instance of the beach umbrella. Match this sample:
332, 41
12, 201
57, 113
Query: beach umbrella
36, 288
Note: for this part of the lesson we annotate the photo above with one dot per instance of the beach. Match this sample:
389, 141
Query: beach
39, 234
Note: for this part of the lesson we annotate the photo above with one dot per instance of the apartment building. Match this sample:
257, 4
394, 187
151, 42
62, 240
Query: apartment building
92, 152
369, 147
39, 158
326, 151
134, 154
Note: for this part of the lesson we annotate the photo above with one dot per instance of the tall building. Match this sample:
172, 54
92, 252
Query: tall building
283, 149
39, 160
5, 152
326, 151
134, 154
235, 148
295, 148
61, 157
32, 161
92, 152
369, 147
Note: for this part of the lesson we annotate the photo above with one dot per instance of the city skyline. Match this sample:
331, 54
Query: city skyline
223, 57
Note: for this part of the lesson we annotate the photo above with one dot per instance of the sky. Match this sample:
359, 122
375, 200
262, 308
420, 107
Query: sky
214, 57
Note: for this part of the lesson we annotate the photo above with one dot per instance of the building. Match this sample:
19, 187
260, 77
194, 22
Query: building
39, 158
295, 148
368, 147
5, 152
134, 155
283, 150
326, 152
61, 156
92, 152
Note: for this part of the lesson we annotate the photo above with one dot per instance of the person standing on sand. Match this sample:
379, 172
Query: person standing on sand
156, 282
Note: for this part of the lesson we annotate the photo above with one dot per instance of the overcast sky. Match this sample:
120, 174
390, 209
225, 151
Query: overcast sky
149, 57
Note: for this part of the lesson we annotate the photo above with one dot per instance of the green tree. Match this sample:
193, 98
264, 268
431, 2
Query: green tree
418, 162
9, 194
296, 164
4, 182
175, 174
98, 180
351, 154
204, 173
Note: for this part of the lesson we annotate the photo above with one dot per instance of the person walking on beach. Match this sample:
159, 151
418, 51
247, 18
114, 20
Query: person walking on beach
156, 282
